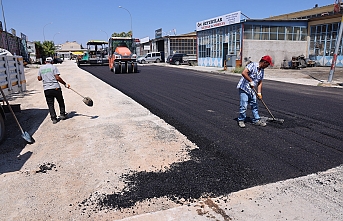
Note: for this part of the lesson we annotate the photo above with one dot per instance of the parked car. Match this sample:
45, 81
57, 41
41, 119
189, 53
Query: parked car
57, 61
169, 58
150, 57
176, 58
180, 58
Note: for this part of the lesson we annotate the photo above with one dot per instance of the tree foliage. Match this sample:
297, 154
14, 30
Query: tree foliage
49, 48
122, 34
45, 49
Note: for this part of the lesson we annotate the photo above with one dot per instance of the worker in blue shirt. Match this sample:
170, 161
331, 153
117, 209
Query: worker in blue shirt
252, 77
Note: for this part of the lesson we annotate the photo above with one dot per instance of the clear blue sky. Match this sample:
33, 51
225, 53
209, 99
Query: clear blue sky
83, 20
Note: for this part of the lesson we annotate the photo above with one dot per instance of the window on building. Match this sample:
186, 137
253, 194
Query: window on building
263, 32
211, 42
281, 33
323, 40
183, 45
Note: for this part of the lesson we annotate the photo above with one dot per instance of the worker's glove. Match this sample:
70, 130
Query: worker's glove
259, 96
67, 85
252, 84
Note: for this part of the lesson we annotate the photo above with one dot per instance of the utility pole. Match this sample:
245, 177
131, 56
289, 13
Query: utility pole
334, 59
338, 42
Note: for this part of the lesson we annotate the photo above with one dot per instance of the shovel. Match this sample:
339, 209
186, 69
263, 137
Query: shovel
87, 100
26, 136
273, 119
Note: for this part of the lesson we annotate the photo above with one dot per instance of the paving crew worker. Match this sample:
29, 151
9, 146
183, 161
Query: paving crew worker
50, 76
252, 77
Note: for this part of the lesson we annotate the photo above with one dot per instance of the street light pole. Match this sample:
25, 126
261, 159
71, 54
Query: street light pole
105, 33
44, 28
130, 17
53, 39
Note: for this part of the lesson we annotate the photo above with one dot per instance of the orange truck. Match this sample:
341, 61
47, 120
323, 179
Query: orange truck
122, 56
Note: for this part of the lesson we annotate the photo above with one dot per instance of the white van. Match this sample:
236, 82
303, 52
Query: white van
150, 57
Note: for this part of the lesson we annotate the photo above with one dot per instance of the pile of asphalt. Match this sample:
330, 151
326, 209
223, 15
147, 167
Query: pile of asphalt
209, 173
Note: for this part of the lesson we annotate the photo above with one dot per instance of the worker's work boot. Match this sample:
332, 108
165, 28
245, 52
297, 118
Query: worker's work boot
64, 116
241, 124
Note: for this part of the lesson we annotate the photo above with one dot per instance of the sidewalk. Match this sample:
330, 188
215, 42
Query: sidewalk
313, 76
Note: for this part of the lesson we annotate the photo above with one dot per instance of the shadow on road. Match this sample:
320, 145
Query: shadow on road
11, 158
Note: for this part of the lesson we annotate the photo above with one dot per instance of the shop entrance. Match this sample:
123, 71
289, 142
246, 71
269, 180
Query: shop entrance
225, 52
160, 48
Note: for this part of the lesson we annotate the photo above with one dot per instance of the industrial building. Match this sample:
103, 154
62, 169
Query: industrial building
233, 39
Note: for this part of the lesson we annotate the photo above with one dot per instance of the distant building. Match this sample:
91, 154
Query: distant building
323, 26
169, 44
69, 49
10, 42
31, 49
233, 38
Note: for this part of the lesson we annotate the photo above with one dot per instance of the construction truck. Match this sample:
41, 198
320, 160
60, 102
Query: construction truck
12, 80
122, 56
96, 54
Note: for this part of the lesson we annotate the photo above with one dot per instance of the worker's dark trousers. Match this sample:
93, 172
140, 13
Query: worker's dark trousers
50, 96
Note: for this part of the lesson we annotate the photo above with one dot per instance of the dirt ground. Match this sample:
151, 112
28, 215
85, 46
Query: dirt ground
74, 164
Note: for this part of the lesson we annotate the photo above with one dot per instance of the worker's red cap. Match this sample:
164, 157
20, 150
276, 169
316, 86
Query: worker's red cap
268, 59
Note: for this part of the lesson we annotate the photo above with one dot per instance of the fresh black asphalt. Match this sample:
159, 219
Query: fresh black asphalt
204, 107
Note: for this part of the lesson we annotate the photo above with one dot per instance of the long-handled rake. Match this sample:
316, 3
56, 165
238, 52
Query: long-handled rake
273, 119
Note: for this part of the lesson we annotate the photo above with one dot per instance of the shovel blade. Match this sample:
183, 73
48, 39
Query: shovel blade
27, 137
88, 101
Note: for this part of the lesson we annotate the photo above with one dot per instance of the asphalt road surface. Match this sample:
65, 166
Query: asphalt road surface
204, 107
117, 160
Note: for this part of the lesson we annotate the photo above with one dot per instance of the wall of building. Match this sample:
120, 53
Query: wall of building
278, 50
322, 34
70, 46
313, 12
66, 49
13, 45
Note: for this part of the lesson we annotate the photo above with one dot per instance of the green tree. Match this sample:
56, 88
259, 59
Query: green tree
122, 34
45, 49
49, 48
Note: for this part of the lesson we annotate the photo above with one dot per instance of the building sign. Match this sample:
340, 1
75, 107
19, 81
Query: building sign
220, 21
158, 33
146, 48
24, 51
144, 40
23, 36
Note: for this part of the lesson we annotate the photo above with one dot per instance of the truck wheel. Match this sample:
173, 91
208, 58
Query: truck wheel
130, 67
177, 62
135, 67
116, 68
2, 128
143, 62
158, 60
123, 68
